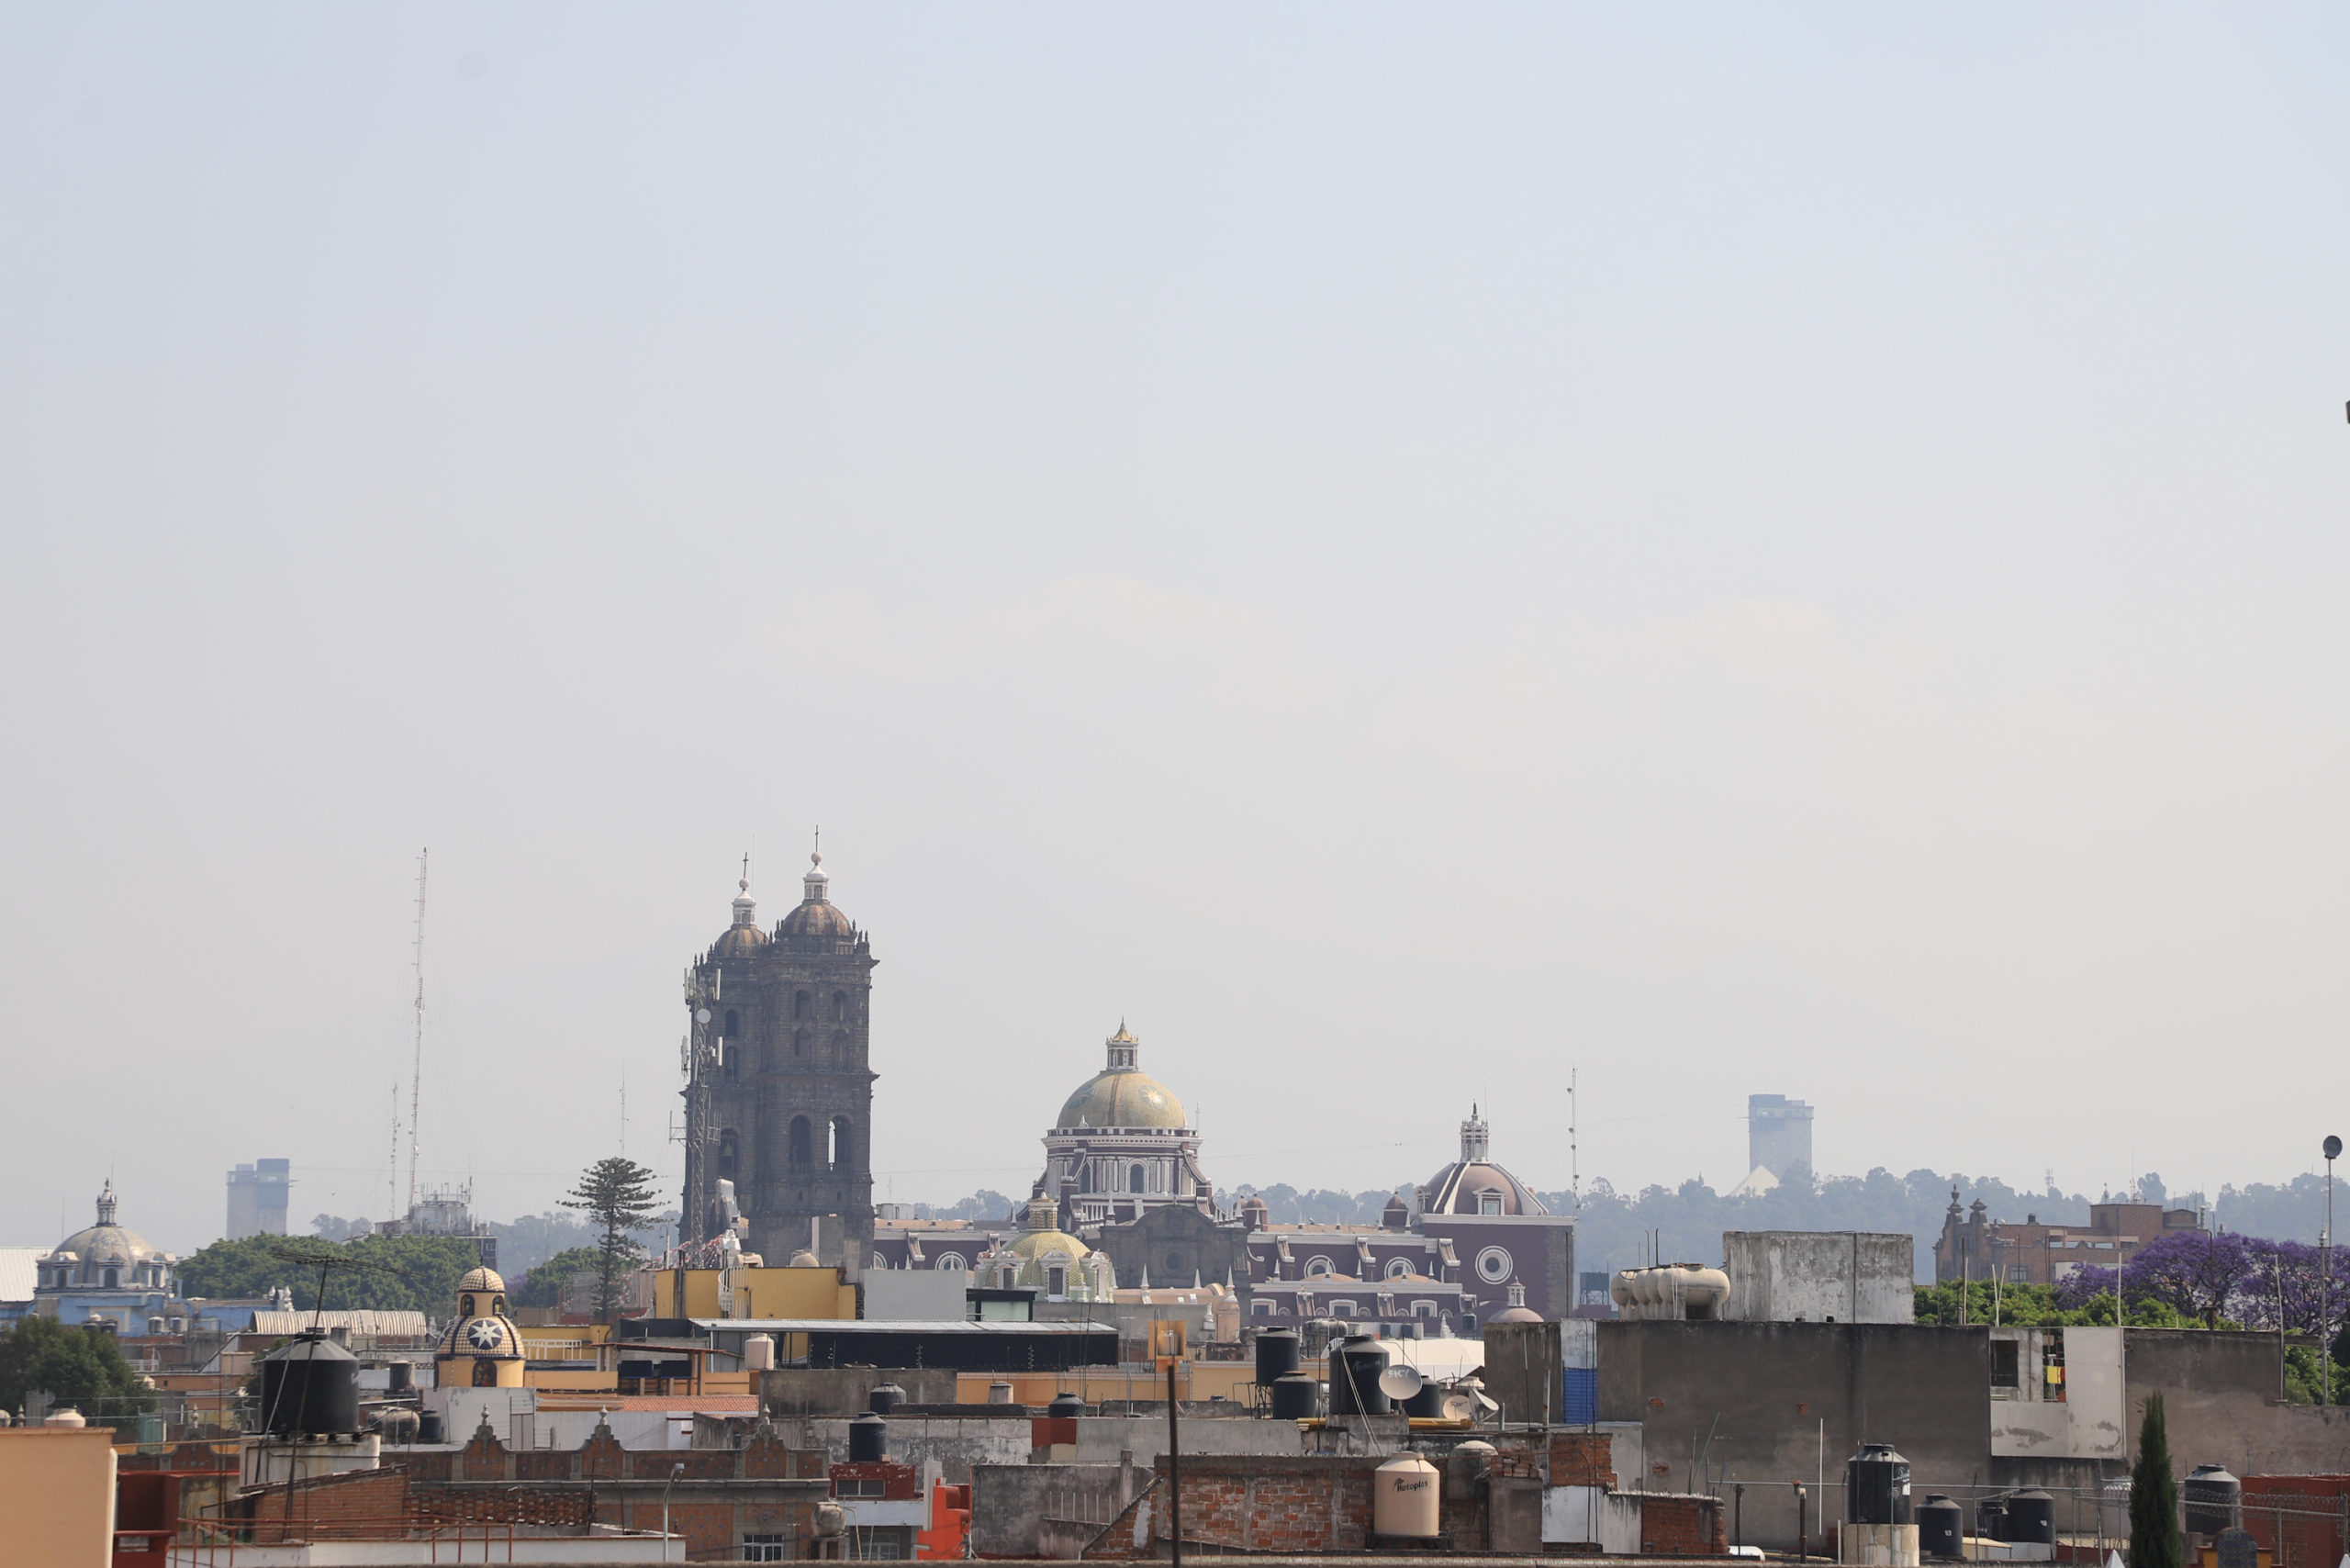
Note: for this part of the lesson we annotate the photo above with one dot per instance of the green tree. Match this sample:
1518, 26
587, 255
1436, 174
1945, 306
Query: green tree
616, 1194
423, 1278
2154, 1497
78, 1367
543, 1286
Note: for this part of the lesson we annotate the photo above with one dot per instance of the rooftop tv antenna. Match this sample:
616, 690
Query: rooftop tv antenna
1574, 1171
416, 1065
326, 1262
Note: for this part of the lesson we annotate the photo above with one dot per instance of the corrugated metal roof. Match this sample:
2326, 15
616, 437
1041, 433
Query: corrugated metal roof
359, 1321
891, 1325
17, 1275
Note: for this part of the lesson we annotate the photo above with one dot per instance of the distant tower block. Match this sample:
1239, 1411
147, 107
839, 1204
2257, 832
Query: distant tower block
1778, 1135
257, 1195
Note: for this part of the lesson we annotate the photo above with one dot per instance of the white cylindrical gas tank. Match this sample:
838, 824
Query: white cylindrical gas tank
1403, 1498
758, 1353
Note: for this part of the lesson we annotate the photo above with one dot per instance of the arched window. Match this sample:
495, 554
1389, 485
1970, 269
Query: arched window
839, 1154
1137, 1180
802, 1005
803, 1138
729, 1152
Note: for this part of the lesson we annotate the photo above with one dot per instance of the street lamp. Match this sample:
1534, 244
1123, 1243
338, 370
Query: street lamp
2325, 1275
675, 1470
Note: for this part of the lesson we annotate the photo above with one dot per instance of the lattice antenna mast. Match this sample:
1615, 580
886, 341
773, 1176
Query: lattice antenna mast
416, 1065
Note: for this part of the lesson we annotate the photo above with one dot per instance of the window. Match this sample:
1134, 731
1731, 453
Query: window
802, 1142
837, 1151
771, 1548
1137, 1179
2005, 1357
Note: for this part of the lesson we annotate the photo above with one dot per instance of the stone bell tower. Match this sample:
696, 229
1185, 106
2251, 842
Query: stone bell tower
778, 1093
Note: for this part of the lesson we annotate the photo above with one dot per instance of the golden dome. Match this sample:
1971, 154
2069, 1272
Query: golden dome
1121, 1094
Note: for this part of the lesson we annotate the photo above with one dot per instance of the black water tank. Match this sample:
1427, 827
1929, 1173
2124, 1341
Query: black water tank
2031, 1518
1355, 1367
1942, 1527
1276, 1355
1296, 1396
1428, 1402
868, 1438
310, 1387
1876, 1486
885, 1398
1066, 1405
2214, 1500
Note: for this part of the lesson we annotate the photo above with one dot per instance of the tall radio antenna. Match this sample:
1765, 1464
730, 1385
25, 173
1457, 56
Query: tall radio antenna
416, 1066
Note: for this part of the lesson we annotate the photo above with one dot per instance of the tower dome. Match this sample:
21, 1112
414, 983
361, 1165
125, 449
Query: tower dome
744, 938
817, 914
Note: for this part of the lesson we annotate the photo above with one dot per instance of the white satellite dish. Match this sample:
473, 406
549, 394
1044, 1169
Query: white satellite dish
1400, 1382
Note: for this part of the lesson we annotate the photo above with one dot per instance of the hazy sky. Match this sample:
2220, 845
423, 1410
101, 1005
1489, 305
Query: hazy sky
1402, 550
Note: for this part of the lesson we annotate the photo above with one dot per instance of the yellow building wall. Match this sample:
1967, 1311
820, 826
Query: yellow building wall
56, 1495
758, 1293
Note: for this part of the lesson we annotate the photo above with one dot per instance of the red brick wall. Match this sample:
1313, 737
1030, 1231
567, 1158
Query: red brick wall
1583, 1458
2312, 1510
1678, 1525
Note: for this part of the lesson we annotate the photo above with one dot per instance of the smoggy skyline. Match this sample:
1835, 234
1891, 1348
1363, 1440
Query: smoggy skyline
1404, 553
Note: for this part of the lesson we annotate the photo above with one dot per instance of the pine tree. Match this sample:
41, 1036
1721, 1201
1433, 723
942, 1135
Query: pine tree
2154, 1497
616, 1193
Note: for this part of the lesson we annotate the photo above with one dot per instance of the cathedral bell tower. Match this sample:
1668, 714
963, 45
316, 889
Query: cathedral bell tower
779, 1096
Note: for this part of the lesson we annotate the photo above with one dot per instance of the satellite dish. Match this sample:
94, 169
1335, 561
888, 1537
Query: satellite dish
1400, 1382
1458, 1408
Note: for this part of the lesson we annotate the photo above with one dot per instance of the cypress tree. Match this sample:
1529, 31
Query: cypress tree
2154, 1497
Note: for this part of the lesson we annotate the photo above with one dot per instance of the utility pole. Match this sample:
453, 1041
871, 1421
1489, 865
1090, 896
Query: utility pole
416, 1063
1174, 1471
2332, 1146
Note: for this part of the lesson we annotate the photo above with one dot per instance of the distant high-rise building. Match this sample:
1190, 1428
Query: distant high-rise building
1778, 1135
257, 1195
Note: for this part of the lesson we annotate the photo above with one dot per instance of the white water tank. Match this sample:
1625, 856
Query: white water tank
1404, 1497
758, 1353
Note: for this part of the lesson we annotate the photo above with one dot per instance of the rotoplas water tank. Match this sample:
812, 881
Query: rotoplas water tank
1404, 1497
